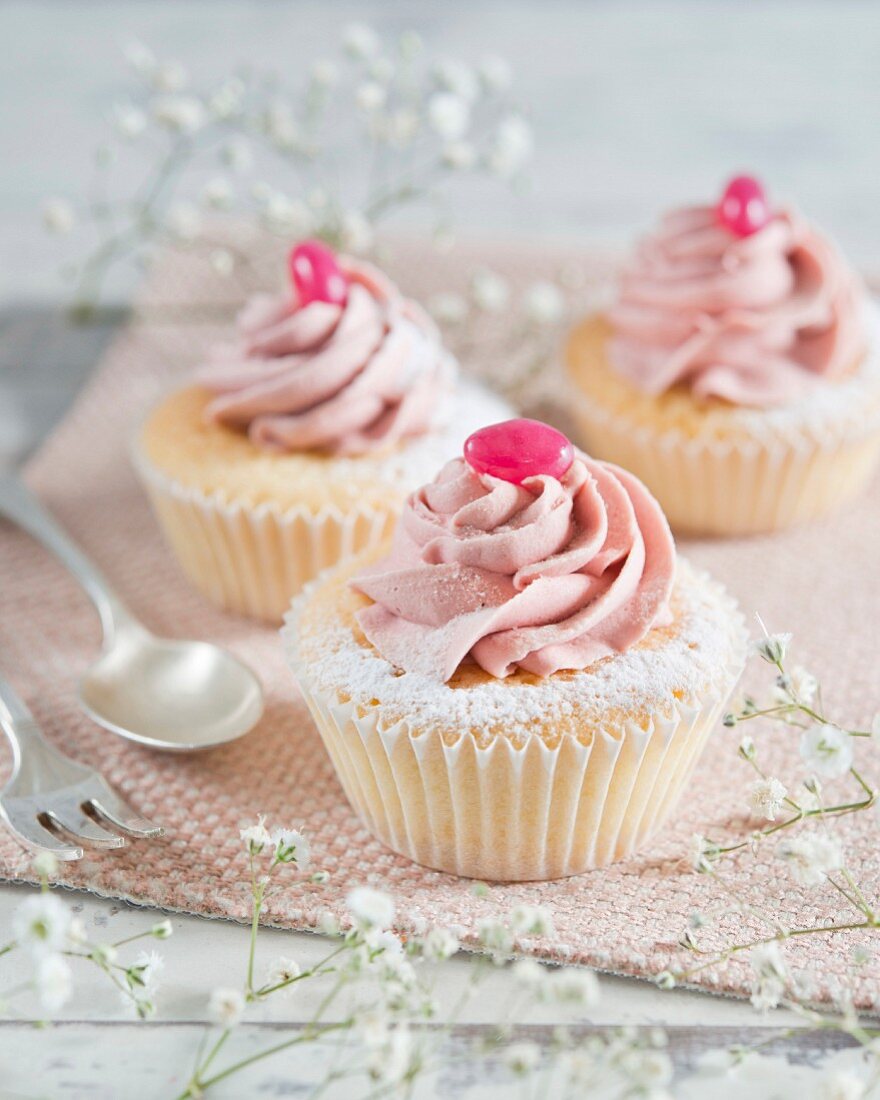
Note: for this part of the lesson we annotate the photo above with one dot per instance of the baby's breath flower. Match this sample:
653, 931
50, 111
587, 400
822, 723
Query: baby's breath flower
222, 261
128, 120
839, 1084
77, 936
448, 308
256, 837
238, 155
382, 69
747, 749
292, 847
529, 974
648, 1070
228, 99
439, 944
280, 972
370, 96
404, 124
495, 937
767, 797
360, 41
355, 231
448, 115
182, 114
226, 1007
544, 303
490, 292
104, 954
41, 923
218, 193
143, 975
665, 980
320, 877
139, 57
533, 920
370, 908
53, 982
798, 686
391, 1061
327, 924
512, 146
770, 976
161, 930
459, 155
703, 852
288, 216
495, 73
573, 985
522, 1058
810, 857
771, 647
827, 749
45, 864
184, 221
170, 76
860, 955
324, 73
58, 216
458, 78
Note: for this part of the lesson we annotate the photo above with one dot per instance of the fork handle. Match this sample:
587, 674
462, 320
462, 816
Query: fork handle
20, 505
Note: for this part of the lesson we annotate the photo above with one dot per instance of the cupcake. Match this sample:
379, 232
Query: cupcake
298, 442
519, 686
737, 373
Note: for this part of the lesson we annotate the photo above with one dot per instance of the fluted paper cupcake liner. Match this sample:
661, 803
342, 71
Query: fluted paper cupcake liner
736, 487
505, 813
254, 559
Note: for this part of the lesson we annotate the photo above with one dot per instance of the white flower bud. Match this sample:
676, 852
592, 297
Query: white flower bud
448, 115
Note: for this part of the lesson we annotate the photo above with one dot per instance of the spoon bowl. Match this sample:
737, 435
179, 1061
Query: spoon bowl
173, 695
167, 694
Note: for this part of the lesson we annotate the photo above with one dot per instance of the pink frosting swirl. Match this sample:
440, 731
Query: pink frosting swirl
547, 575
754, 320
348, 379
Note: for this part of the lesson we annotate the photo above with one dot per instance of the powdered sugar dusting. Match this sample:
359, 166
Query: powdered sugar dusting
705, 647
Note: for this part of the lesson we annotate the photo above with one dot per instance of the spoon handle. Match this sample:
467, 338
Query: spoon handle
19, 504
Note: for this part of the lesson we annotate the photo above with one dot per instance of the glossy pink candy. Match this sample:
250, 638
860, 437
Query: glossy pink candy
316, 275
743, 207
517, 449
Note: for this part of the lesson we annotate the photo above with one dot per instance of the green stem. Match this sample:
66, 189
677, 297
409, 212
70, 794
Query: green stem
310, 1035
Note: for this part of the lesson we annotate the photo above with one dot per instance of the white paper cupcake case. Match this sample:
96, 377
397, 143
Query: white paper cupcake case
712, 487
507, 813
252, 560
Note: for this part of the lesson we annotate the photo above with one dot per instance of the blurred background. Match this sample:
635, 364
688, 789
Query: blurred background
632, 105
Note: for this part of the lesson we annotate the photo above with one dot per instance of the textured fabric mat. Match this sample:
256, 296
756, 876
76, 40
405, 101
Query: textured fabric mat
821, 583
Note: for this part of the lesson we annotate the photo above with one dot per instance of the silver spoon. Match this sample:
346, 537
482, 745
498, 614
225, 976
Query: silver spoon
178, 696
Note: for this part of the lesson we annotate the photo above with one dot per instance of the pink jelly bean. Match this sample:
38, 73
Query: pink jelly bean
743, 207
518, 449
316, 275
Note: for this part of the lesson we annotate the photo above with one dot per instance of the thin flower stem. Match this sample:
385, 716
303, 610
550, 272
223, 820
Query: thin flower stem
313, 971
311, 1033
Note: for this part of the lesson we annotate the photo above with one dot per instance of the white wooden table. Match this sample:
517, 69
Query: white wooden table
636, 105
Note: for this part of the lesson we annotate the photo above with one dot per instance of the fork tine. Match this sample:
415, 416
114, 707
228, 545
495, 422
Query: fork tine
82, 827
108, 804
29, 832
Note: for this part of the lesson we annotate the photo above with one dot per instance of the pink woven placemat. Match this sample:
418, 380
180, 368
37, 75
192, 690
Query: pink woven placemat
821, 583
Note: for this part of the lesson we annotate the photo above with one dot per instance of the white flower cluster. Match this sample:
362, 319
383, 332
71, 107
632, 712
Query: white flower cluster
44, 927
448, 116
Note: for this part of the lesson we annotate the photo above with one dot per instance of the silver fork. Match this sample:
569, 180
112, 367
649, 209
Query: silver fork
50, 797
